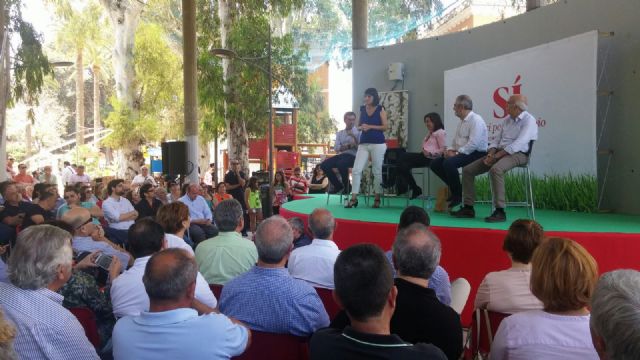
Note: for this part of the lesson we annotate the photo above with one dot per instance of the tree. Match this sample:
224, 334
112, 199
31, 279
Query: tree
82, 30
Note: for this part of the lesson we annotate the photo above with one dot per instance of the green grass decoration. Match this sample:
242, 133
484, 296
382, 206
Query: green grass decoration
552, 192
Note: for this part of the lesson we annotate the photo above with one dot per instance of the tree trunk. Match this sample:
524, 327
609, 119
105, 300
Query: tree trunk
96, 103
125, 15
237, 138
4, 85
79, 99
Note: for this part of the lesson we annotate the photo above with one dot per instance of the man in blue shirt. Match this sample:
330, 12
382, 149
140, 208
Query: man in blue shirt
266, 297
201, 227
171, 328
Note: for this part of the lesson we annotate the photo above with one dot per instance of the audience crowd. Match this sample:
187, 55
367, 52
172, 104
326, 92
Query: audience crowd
145, 257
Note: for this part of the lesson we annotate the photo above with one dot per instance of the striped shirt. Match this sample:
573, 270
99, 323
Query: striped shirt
46, 330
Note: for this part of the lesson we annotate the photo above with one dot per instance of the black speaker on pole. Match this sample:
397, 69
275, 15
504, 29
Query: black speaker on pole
174, 158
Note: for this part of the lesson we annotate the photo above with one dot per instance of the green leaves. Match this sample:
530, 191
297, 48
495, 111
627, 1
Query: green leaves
30, 64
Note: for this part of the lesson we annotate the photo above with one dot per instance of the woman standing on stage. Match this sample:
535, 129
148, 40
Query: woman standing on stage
372, 123
432, 147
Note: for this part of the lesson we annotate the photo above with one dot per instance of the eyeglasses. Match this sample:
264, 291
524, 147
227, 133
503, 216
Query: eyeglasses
85, 223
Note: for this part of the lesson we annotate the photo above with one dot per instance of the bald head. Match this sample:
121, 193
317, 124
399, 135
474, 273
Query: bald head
322, 224
519, 102
274, 239
170, 276
77, 217
193, 191
416, 251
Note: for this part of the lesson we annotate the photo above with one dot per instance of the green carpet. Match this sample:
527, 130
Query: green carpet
551, 220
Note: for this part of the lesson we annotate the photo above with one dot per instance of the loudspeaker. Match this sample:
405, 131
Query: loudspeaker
174, 158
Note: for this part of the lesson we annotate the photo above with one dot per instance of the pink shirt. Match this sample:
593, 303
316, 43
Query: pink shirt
435, 143
507, 291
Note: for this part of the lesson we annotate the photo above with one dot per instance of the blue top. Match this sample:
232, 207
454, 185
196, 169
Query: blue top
439, 281
271, 300
371, 136
178, 334
198, 208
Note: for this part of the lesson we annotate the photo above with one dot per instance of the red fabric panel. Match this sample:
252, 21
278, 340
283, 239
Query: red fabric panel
275, 346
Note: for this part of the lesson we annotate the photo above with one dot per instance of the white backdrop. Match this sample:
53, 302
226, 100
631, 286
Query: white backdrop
558, 78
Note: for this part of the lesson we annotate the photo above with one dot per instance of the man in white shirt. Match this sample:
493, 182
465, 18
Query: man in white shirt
201, 227
509, 149
80, 177
128, 296
144, 177
314, 263
67, 172
345, 148
118, 211
468, 145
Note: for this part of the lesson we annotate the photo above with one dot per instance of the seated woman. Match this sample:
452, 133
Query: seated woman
432, 147
563, 277
72, 197
507, 291
174, 219
220, 194
319, 181
148, 206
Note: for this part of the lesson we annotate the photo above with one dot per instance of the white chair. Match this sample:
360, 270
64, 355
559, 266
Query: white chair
460, 290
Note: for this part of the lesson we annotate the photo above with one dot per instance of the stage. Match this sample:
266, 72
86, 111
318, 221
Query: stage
470, 247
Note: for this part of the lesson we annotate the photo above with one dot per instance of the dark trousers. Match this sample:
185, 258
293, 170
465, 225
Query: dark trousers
447, 170
409, 161
117, 236
7, 234
342, 162
199, 233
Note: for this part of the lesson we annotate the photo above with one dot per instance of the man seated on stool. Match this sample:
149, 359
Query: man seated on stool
346, 147
201, 227
468, 145
508, 150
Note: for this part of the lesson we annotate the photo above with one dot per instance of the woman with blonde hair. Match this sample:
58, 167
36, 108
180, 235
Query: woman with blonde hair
563, 277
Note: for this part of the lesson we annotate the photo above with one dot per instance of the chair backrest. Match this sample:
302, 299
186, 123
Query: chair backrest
484, 326
460, 290
528, 153
392, 155
276, 346
329, 303
216, 289
87, 319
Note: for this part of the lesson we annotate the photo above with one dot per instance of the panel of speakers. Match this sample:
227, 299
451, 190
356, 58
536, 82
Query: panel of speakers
174, 158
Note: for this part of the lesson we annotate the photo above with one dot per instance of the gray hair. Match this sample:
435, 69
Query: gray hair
228, 214
615, 313
416, 251
273, 239
168, 280
39, 250
521, 104
465, 101
296, 223
322, 223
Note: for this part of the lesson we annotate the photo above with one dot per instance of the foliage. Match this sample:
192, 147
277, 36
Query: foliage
552, 192
83, 29
314, 124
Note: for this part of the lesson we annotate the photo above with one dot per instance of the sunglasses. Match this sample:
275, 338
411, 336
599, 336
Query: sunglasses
85, 223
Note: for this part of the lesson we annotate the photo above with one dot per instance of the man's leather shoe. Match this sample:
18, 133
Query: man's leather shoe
465, 212
454, 202
497, 216
415, 193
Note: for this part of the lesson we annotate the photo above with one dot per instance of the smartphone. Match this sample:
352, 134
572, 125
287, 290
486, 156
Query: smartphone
104, 261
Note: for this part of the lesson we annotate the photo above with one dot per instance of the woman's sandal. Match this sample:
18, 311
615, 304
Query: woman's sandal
351, 203
376, 203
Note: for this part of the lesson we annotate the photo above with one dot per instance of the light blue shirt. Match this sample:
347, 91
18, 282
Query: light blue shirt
178, 334
439, 281
271, 300
515, 134
198, 208
86, 243
46, 330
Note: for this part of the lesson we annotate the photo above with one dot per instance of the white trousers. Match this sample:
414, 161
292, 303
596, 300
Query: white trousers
377, 152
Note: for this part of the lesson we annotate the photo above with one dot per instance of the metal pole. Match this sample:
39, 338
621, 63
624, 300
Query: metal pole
271, 165
190, 88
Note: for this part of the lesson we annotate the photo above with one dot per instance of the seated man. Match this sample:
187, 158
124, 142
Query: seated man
615, 315
201, 218
298, 183
143, 178
469, 144
146, 238
88, 236
314, 263
267, 298
227, 255
300, 237
508, 150
171, 329
13, 212
39, 213
80, 177
40, 264
346, 147
364, 288
118, 211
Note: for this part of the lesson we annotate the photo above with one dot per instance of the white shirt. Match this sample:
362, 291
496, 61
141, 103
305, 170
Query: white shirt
537, 334
314, 263
66, 174
507, 292
128, 296
176, 242
515, 134
471, 135
141, 179
75, 178
113, 208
